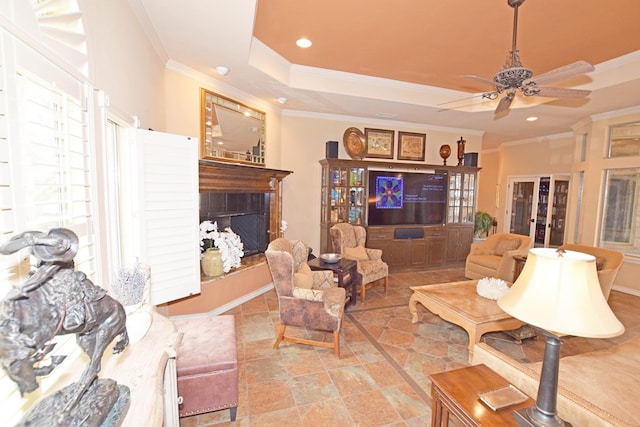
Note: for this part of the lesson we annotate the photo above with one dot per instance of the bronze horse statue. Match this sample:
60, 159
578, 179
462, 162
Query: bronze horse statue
56, 300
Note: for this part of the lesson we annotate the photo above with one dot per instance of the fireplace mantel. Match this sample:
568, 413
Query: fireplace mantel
236, 178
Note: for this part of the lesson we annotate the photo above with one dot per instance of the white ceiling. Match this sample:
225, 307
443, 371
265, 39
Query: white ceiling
423, 48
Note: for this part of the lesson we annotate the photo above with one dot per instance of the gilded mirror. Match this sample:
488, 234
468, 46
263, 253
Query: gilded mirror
230, 131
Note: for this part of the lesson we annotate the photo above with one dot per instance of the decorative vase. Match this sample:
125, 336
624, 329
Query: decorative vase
445, 152
212, 262
460, 150
139, 320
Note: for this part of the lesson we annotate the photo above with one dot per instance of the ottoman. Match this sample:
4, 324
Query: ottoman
207, 365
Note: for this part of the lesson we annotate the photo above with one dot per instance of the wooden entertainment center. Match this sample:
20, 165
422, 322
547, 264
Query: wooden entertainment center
406, 247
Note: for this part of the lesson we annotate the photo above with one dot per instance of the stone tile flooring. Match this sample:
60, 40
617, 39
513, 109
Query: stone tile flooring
381, 377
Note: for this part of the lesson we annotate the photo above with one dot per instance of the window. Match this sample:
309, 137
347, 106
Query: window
47, 178
624, 140
620, 211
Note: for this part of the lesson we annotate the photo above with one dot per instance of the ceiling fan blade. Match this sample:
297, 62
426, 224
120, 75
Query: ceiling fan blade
504, 103
481, 80
562, 73
560, 92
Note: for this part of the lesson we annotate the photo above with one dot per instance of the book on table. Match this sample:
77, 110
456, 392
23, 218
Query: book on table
502, 397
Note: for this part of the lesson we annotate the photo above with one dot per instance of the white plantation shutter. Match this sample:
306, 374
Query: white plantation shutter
46, 180
166, 213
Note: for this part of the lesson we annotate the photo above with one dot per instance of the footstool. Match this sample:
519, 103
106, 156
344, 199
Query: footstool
207, 365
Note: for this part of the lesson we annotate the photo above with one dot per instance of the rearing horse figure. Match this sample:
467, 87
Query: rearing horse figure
56, 300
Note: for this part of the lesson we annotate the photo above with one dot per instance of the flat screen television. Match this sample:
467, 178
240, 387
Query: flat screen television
407, 198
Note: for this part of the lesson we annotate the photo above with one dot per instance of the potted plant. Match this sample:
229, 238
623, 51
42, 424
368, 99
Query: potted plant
483, 222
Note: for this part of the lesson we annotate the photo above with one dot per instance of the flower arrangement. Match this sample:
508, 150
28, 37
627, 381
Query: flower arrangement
283, 226
227, 242
491, 288
128, 286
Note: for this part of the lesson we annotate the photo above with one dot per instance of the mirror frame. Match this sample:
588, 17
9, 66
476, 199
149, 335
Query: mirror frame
209, 102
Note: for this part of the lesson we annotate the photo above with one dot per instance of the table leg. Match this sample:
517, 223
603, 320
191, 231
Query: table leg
412, 308
436, 409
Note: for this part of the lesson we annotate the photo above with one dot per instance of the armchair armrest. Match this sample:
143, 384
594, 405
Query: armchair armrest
507, 265
374, 254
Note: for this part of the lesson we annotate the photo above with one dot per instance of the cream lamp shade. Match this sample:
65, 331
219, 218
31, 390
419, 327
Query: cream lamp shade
559, 291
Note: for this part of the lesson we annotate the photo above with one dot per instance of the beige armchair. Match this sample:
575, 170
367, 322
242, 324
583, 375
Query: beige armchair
493, 257
608, 262
308, 299
348, 240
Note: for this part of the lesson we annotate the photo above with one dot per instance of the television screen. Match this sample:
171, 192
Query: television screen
407, 198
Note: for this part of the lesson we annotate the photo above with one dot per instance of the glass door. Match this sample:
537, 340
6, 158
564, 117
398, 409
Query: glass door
522, 205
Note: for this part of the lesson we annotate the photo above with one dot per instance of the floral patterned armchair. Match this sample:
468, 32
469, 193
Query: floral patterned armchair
308, 299
348, 240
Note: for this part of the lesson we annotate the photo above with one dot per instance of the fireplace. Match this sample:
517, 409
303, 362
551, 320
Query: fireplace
246, 213
246, 198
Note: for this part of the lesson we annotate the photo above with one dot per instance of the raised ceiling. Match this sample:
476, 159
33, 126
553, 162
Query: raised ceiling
404, 59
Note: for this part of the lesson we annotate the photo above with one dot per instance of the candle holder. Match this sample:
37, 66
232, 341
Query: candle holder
445, 152
460, 150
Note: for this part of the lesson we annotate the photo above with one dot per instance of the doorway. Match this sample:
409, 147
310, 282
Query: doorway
537, 207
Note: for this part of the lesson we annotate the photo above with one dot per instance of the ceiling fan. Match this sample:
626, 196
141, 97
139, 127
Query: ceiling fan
514, 77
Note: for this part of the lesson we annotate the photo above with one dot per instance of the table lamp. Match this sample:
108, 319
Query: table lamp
558, 291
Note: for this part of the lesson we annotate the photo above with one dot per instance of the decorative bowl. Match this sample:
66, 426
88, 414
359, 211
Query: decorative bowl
330, 258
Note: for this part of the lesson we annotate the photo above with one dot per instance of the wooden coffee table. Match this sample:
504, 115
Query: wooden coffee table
460, 304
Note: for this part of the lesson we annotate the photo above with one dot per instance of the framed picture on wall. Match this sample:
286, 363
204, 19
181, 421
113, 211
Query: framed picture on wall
379, 143
411, 146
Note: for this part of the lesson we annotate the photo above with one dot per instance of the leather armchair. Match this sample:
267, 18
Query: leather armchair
493, 257
308, 299
349, 240
608, 262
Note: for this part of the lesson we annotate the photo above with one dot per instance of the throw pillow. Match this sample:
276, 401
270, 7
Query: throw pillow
505, 245
303, 278
358, 253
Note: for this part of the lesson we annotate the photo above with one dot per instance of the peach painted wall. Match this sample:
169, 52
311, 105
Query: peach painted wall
303, 146
223, 293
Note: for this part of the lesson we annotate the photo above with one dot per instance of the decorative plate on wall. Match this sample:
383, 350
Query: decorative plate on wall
354, 143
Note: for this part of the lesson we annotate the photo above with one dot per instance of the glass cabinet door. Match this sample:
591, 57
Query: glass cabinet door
460, 209
345, 193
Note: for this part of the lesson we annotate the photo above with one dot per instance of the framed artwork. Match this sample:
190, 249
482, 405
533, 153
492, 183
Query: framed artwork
411, 146
379, 143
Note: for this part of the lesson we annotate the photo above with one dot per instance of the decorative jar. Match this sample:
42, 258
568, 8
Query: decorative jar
212, 262
445, 152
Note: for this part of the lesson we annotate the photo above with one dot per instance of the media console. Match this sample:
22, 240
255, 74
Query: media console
419, 215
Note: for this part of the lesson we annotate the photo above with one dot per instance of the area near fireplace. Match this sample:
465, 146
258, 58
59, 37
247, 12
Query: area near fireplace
249, 199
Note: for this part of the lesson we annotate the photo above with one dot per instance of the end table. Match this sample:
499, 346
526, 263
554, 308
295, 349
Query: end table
456, 392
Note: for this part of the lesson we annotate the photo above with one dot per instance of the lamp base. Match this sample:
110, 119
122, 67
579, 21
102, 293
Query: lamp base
530, 417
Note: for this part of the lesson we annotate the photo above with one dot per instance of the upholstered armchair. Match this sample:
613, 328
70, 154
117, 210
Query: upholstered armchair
608, 262
308, 299
349, 240
493, 257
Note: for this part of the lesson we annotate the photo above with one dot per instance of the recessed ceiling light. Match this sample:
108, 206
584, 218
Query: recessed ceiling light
222, 70
532, 119
386, 115
282, 100
303, 43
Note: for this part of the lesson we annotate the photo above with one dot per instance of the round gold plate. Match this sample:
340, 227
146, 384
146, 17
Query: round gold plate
354, 143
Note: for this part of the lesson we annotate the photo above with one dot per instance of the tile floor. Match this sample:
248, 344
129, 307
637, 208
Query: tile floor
381, 378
